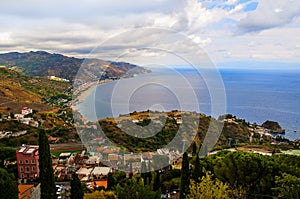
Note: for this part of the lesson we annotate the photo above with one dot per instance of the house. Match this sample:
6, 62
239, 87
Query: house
25, 191
26, 111
19, 116
84, 173
28, 162
92, 160
63, 158
97, 184
53, 139
100, 172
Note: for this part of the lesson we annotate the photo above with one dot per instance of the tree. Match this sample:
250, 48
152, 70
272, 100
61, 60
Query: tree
156, 185
8, 154
110, 181
135, 189
194, 148
130, 170
101, 195
185, 176
76, 188
143, 172
287, 186
149, 174
209, 189
197, 169
48, 189
8, 185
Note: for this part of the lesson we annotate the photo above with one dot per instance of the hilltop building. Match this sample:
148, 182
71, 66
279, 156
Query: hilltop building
28, 163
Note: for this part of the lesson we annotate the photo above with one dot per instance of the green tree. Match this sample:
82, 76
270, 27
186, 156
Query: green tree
197, 169
8, 185
209, 189
194, 148
76, 188
48, 189
135, 189
143, 172
287, 186
185, 176
156, 184
101, 195
149, 173
111, 181
8, 154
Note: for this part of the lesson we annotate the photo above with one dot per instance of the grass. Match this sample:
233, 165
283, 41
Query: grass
294, 152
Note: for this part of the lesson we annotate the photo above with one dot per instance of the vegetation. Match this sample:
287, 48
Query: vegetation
76, 189
208, 188
256, 175
135, 189
48, 189
101, 195
185, 176
42, 63
18, 90
8, 185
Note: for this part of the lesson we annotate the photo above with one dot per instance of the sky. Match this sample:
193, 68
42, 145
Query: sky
228, 33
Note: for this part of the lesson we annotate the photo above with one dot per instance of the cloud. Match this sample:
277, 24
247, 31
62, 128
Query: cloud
270, 14
75, 28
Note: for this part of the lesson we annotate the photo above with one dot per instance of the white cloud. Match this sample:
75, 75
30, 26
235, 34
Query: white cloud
270, 14
75, 28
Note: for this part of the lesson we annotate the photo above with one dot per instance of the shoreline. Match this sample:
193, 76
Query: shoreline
84, 91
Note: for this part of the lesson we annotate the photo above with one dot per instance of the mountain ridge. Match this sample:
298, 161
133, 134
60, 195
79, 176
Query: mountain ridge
42, 63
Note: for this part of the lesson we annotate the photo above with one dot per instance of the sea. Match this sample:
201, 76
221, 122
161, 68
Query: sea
253, 95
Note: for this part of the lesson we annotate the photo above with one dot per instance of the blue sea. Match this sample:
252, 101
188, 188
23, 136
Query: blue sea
254, 95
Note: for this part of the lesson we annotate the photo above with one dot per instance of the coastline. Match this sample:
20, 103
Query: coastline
84, 91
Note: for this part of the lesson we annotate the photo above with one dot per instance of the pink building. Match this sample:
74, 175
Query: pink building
26, 111
28, 162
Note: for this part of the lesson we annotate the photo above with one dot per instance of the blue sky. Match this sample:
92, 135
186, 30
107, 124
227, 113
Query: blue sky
228, 31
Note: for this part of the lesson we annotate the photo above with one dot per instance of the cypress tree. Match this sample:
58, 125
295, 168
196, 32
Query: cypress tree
149, 173
185, 176
76, 189
48, 189
110, 181
143, 172
194, 148
156, 184
130, 171
197, 169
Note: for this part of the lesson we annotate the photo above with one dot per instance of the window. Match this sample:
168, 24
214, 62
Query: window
26, 161
27, 169
32, 161
21, 169
20, 161
33, 168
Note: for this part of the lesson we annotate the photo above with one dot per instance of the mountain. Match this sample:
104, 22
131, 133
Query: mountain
42, 63
18, 90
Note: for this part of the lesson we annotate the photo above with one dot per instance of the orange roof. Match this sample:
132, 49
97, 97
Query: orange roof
25, 190
100, 149
112, 157
109, 151
52, 138
102, 183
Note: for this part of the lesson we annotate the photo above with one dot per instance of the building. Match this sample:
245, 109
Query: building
28, 162
26, 111
25, 191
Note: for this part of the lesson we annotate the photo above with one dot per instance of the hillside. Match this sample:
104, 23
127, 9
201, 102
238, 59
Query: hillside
18, 90
169, 124
42, 63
